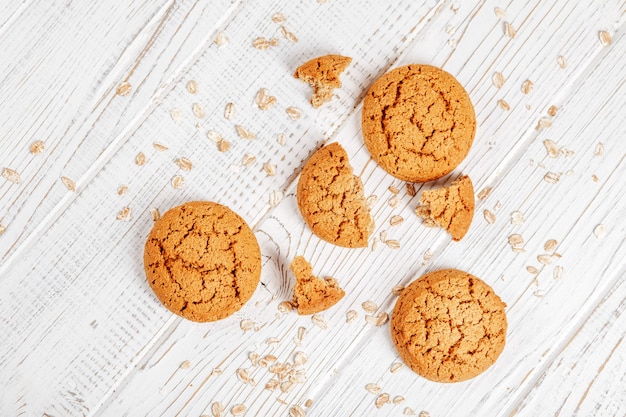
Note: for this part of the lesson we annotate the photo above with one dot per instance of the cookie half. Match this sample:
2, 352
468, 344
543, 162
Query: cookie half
322, 73
449, 326
331, 199
451, 207
418, 122
202, 261
312, 294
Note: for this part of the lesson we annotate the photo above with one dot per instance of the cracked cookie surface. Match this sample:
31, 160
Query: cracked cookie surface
331, 199
449, 326
322, 73
202, 261
451, 207
418, 122
312, 294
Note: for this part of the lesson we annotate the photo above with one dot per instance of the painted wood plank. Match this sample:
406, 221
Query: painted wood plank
65, 358
170, 390
100, 119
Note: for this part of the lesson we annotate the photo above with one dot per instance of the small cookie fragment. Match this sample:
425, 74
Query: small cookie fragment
451, 207
418, 122
312, 294
331, 199
449, 326
202, 261
322, 73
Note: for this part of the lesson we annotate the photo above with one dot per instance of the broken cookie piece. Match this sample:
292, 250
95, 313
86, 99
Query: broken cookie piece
312, 294
451, 208
322, 73
331, 199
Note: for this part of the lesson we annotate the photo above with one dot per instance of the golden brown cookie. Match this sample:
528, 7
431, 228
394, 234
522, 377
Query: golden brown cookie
418, 122
451, 208
322, 73
312, 294
202, 261
449, 326
331, 199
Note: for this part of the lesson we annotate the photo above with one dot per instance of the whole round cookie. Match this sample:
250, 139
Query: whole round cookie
449, 326
202, 261
418, 122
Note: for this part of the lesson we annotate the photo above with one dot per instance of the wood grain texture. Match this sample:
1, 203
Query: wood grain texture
84, 333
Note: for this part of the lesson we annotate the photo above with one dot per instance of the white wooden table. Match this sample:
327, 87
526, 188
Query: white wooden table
102, 83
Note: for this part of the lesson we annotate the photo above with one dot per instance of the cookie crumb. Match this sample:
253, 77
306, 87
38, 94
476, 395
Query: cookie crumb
312, 294
322, 73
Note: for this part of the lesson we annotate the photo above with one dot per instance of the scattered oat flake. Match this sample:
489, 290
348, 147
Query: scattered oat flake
319, 321
140, 159
198, 110
595, 178
160, 147
550, 245
185, 365
371, 200
243, 375
221, 40
261, 43
397, 290
296, 411
500, 13
605, 37
288, 35
272, 341
294, 113
557, 272
301, 332
244, 133
393, 201
395, 367
69, 183
393, 244
281, 139
121, 190
184, 164
2, 229
123, 89
276, 197
544, 259
156, 215
248, 159
229, 111
300, 358
214, 136
351, 315
217, 409
223, 145
504, 105
553, 110
178, 181
489, 217
238, 409
192, 87
599, 149
517, 218
408, 411
561, 61
246, 325
398, 399
532, 269
544, 123
308, 403
369, 306
527, 86
11, 175
396, 220
410, 189
509, 30
177, 115
274, 41
424, 414
374, 244
124, 214
516, 240
497, 79
599, 231
270, 169
378, 320
552, 177
551, 148
484, 193
372, 388
279, 18
381, 400
37, 147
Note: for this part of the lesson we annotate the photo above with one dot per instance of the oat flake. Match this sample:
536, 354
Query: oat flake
527, 86
561, 61
395, 367
155, 214
192, 87
504, 105
217, 409
270, 169
279, 18
372, 388
288, 35
159, 147
69, 183
178, 181
214, 136
551, 148
238, 409
550, 245
229, 111
382, 400
552, 177
484, 193
184, 164
221, 40
489, 217
393, 244
124, 214
399, 399
121, 190
408, 411
319, 321
532, 269
281, 139
261, 43
599, 149
176, 115
11, 175
276, 197
244, 133
410, 189
557, 272
37, 147
397, 290
198, 110
605, 37
509, 30
223, 145
500, 13
517, 218
123, 89
296, 411
140, 159
599, 231
396, 220
369, 306
497, 79
294, 113
351, 316
248, 159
